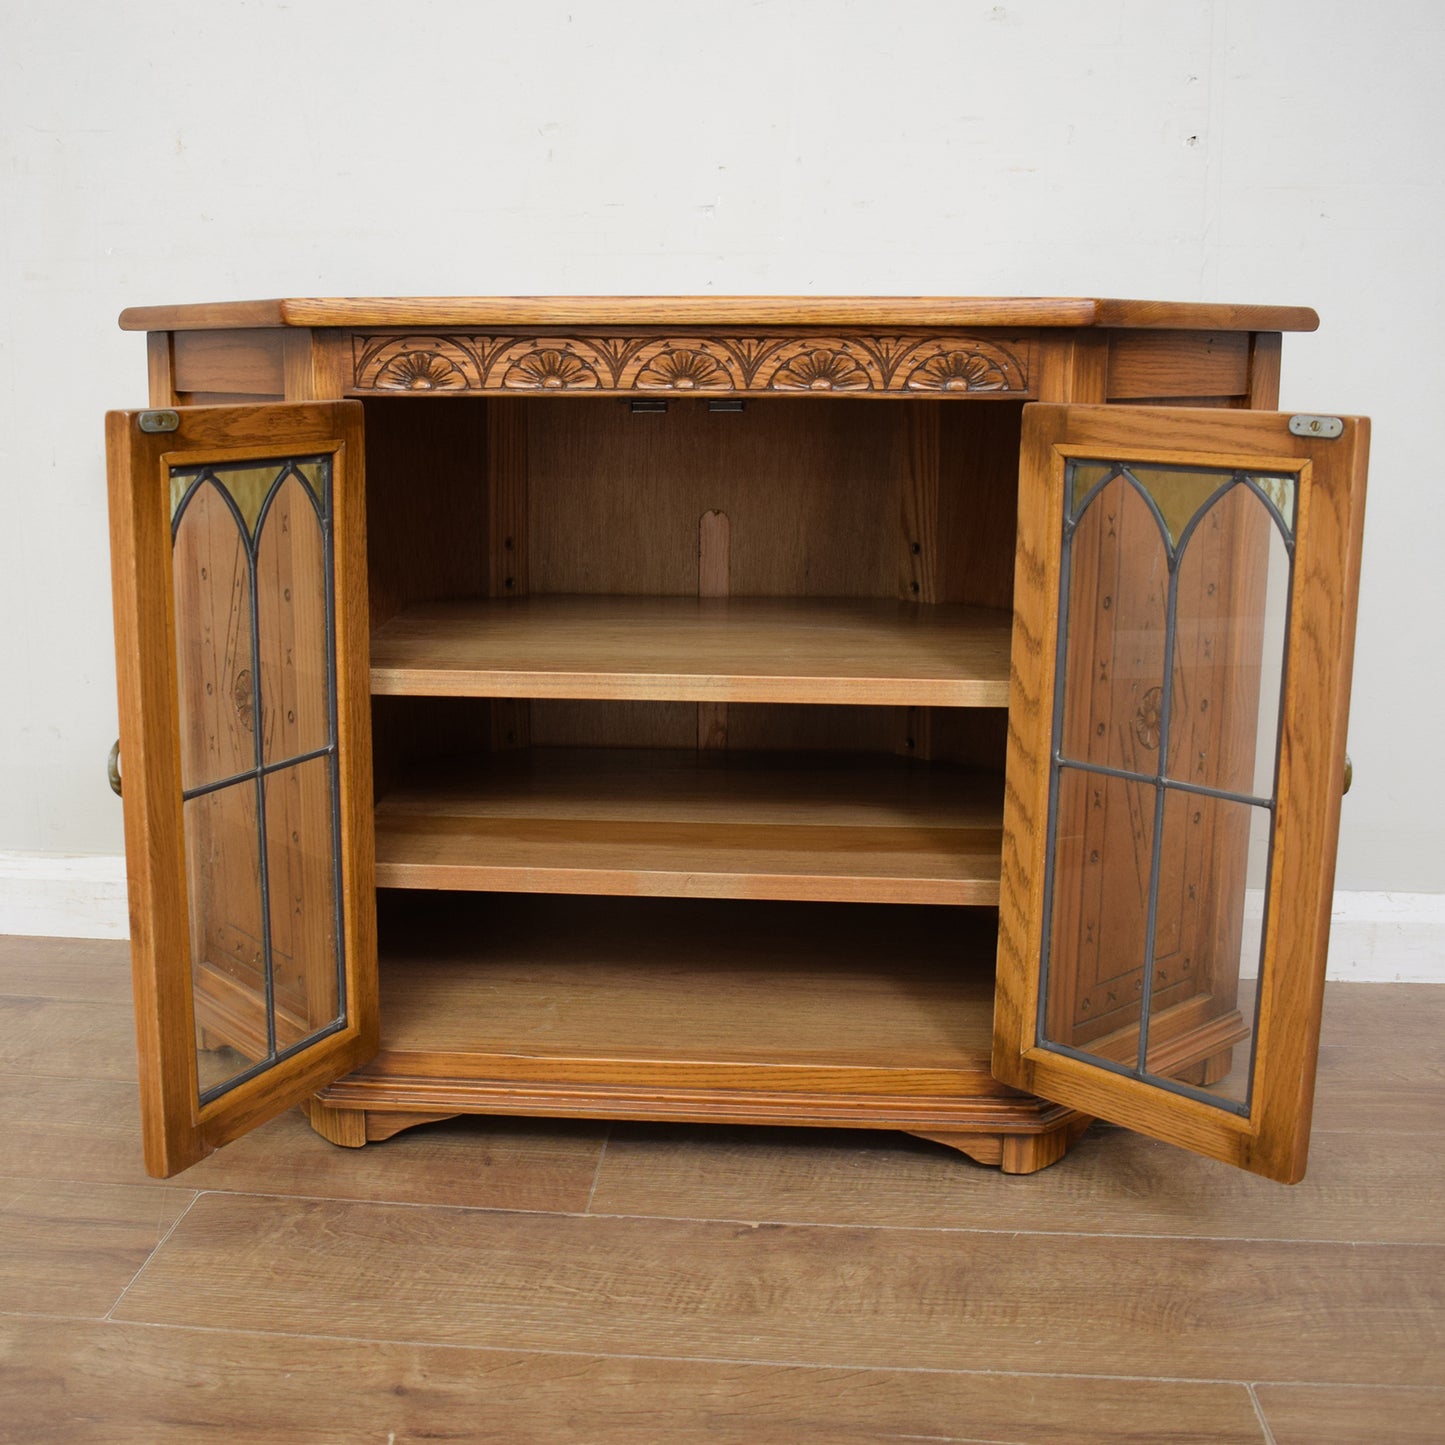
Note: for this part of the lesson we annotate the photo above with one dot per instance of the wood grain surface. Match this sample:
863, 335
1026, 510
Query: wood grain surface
1203, 1305
718, 310
114, 1384
690, 824
687, 649
843, 1297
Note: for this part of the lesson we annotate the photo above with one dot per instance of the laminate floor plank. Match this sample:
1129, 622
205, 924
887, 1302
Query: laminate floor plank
1342, 1415
94, 969
67, 1038
866, 1298
1111, 1182
89, 1129
1384, 1016
731, 1285
140, 1385
70, 1249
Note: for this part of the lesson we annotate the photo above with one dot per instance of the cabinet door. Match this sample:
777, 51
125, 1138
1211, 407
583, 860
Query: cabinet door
1183, 629
238, 554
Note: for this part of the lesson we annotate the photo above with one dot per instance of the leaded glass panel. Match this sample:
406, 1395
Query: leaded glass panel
1173, 611
255, 665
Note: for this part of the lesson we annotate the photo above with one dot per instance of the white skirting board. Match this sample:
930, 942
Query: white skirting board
1374, 937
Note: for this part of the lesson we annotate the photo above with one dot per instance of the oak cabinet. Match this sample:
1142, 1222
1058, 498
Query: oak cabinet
907, 714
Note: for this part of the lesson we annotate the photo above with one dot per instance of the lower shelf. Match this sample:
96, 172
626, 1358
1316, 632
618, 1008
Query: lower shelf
867, 1016
828, 827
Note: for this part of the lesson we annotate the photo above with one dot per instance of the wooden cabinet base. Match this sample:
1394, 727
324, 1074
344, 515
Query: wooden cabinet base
1018, 1135
1015, 1153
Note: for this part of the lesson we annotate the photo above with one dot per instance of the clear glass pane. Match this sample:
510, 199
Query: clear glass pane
228, 954
1230, 611
291, 623
1098, 927
1114, 649
214, 657
1213, 860
301, 884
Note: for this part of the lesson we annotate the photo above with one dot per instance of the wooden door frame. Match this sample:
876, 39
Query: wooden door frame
177, 1130
1273, 1139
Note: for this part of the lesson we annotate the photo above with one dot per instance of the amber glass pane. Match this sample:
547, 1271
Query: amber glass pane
1114, 649
1179, 493
228, 963
1214, 854
1084, 478
1098, 928
214, 660
1229, 651
291, 622
301, 883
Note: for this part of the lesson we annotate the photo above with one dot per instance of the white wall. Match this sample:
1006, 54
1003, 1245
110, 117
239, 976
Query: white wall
1243, 150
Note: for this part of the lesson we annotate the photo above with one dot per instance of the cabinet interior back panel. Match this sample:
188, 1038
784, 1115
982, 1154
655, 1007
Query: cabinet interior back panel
811, 490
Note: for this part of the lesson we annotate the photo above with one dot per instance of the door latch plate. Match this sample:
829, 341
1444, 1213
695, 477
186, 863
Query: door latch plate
1323, 428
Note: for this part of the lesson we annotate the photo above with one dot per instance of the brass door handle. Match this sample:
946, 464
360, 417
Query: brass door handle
112, 768
1349, 773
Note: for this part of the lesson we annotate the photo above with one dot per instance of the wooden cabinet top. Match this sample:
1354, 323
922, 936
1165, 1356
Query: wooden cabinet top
869, 311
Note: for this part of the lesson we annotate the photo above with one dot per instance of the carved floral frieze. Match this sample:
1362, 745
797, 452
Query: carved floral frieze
861, 363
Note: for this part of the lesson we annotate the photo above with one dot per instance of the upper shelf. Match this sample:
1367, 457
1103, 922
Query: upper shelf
683, 649
870, 311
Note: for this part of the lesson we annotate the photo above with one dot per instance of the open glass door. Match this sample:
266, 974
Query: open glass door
1183, 632
238, 553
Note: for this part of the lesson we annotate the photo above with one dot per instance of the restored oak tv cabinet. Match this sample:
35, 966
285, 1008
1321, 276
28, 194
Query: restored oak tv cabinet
899, 713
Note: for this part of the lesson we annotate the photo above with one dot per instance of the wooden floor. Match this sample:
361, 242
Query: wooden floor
524, 1281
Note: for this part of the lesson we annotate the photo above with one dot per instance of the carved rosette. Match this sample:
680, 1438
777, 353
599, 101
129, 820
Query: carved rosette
1149, 718
861, 364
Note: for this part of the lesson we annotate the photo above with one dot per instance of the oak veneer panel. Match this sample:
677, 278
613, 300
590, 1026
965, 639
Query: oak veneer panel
698, 825
688, 649
1111, 1182
70, 1249
93, 969
242, 363
886, 311
68, 1038
812, 496
796, 1295
1347, 1415
1180, 364
870, 986
114, 1384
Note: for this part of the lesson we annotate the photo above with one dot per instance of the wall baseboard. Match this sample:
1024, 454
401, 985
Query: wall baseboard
63, 895
1374, 937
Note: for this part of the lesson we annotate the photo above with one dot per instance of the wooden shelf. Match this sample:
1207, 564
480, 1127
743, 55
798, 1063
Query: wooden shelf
600, 981
684, 649
824, 827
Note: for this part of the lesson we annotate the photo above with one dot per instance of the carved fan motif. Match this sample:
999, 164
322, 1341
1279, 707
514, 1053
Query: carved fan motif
421, 371
683, 370
550, 370
745, 362
822, 370
958, 371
